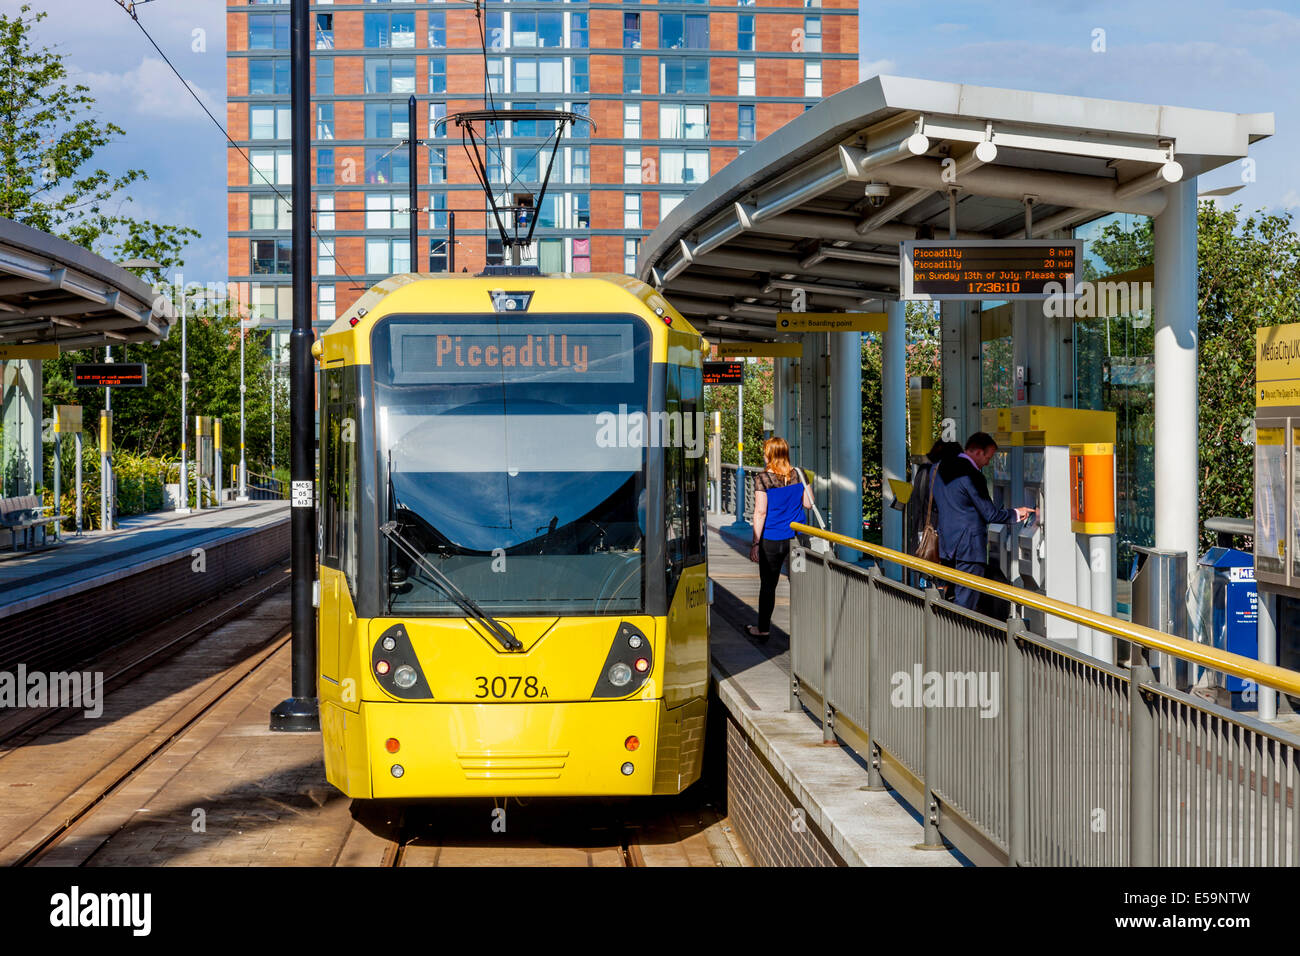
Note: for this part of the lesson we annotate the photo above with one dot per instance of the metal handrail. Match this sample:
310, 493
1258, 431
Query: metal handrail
1269, 675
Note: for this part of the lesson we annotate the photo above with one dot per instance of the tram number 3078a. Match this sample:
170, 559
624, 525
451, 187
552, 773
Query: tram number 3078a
510, 687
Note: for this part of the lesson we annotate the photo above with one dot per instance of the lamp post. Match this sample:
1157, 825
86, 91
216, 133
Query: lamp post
183, 499
244, 325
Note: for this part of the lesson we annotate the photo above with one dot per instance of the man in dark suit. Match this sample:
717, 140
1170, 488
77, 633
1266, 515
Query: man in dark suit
961, 497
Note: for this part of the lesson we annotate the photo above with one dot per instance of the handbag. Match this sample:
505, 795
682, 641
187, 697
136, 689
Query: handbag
927, 545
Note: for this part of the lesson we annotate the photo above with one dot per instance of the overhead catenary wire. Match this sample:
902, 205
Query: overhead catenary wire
129, 6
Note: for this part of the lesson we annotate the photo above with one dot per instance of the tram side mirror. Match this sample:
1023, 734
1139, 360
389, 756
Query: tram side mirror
397, 579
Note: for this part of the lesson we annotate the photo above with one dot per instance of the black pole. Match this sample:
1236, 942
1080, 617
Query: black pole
300, 712
451, 242
415, 186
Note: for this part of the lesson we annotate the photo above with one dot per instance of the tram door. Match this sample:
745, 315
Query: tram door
339, 518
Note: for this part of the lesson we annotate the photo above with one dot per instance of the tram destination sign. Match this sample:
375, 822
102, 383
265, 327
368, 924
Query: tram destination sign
724, 373
1002, 269
110, 375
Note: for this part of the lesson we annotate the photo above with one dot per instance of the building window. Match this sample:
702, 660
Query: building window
745, 84
581, 130
271, 256
387, 121
387, 166
324, 213
496, 166
631, 74
325, 167
745, 128
268, 31
525, 165
578, 31
536, 30
631, 120
580, 165
395, 30
387, 256
632, 165
812, 34
812, 78
684, 75
581, 255
683, 31
667, 203
745, 31
325, 304
388, 210
269, 77
390, 75
324, 31
580, 81
683, 121
325, 76
683, 165
270, 166
631, 249
582, 210
269, 212
496, 74
438, 164
438, 211
437, 114
437, 30
325, 257
631, 210
437, 74
324, 120
269, 122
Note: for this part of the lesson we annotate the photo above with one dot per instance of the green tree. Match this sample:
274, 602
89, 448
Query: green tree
147, 420
758, 393
49, 136
1248, 276
923, 355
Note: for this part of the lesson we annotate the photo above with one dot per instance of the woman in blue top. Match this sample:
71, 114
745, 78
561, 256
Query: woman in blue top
780, 496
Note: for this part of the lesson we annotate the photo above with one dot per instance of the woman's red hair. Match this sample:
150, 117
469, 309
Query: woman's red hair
777, 455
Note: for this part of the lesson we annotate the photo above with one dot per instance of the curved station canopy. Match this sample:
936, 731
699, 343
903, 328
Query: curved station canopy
822, 203
53, 292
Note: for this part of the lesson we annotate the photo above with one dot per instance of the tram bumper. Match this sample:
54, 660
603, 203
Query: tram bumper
553, 749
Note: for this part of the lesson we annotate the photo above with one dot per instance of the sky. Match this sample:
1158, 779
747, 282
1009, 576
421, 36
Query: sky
1221, 56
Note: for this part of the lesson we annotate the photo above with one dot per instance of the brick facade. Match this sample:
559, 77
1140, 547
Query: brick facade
764, 811
589, 207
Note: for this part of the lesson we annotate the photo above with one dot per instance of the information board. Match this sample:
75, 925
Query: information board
110, 375
994, 269
724, 373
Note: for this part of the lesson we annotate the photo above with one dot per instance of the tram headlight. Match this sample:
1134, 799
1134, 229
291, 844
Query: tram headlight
635, 641
405, 677
627, 769
388, 643
620, 674
381, 668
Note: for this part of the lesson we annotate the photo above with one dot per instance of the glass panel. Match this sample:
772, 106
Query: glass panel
492, 444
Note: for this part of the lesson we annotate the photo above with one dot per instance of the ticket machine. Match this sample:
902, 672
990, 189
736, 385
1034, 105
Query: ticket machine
1045, 554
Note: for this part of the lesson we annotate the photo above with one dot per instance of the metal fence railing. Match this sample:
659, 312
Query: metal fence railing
264, 487
1017, 750
727, 491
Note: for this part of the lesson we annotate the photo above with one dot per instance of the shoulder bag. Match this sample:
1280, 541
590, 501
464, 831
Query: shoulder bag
927, 545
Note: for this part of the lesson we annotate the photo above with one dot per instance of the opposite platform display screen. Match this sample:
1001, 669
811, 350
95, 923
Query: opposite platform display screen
990, 268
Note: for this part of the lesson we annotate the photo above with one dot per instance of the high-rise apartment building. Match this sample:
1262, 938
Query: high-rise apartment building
674, 92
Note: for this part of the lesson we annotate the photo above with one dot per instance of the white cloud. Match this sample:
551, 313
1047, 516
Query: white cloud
870, 68
152, 90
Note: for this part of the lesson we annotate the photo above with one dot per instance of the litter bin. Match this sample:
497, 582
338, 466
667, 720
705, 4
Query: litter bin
1235, 616
1160, 602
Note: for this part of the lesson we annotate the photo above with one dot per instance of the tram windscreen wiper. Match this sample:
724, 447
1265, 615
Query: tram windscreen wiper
458, 597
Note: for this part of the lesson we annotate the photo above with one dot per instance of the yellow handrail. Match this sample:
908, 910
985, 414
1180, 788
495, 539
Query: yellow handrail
1269, 675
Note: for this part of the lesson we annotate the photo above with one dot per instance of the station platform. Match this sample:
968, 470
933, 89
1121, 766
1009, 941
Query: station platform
65, 602
795, 800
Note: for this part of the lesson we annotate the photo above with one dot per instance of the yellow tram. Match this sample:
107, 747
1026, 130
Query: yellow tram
513, 594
